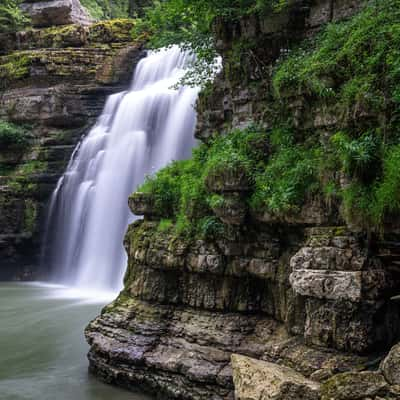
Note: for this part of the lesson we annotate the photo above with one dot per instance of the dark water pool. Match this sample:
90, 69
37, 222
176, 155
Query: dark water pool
42, 347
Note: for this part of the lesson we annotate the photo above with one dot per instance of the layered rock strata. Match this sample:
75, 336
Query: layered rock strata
281, 307
54, 82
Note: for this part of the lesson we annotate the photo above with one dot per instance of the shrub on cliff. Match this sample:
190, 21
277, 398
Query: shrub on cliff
11, 17
189, 23
291, 174
14, 137
279, 172
354, 67
180, 190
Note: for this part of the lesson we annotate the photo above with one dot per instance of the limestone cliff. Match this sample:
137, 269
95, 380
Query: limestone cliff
295, 306
54, 82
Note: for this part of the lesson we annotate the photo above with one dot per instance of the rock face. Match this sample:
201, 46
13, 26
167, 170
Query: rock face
303, 302
187, 306
54, 82
391, 366
352, 385
56, 12
260, 380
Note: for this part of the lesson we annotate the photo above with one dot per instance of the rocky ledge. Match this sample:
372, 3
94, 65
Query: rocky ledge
188, 307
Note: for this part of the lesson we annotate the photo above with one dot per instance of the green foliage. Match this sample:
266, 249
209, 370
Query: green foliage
13, 67
357, 156
354, 66
291, 174
368, 205
164, 225
14, 137
387, 191
21, 180
354, 63
279, 183
216, 200
211, 227
180, 190
189, 23
11, 17
107, 9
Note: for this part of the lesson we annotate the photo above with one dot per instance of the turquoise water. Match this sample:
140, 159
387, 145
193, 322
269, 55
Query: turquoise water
42, 347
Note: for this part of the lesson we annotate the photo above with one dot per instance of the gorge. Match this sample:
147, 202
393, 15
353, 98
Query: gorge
263, 265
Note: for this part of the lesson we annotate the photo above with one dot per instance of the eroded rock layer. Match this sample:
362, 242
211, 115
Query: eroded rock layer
187, 307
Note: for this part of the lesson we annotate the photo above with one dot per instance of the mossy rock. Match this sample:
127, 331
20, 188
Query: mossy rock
14, 67
231, 210
112, 31
143, 204
55, 37
354, 386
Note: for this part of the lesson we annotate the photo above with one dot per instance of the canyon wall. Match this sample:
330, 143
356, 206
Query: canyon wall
54, 81
296, 306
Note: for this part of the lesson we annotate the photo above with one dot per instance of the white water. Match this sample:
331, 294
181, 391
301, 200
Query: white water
139, 131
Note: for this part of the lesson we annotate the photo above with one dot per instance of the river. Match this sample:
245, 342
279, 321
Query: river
42, 347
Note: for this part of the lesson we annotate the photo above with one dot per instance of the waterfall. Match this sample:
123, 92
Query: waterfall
138, 132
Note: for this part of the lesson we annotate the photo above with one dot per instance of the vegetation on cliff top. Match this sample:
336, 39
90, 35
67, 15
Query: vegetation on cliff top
180, 190
352, 67
355, 66
106, 9
189, 23
279, 183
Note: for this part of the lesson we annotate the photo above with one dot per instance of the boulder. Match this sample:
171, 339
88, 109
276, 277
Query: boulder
390, 366
56, 12
354, 386
261, 380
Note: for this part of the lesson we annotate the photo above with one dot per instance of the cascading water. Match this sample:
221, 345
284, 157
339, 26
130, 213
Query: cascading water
139, 131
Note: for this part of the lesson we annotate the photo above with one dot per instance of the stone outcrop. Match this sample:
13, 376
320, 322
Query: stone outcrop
188, 305
56, 12
390, 366
54, 82
306, 304
242, 93
343, 287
